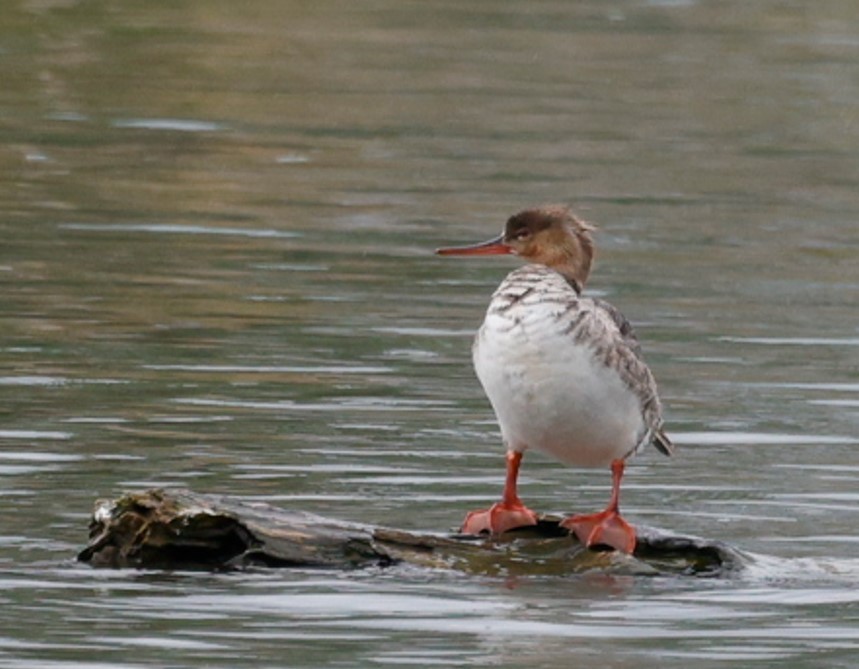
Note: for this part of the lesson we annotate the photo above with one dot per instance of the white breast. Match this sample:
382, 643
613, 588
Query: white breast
548, 385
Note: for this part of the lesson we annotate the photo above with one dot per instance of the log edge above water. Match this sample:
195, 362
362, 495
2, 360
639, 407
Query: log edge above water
179, 529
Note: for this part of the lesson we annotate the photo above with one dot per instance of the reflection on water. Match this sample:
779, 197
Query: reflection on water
217, 273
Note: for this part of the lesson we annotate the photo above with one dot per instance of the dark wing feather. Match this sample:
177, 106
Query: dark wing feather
622, 351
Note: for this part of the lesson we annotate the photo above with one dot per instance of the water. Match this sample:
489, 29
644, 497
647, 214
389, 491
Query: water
217, 224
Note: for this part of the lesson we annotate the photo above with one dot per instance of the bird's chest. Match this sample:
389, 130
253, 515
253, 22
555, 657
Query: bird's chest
530, 352
549, 385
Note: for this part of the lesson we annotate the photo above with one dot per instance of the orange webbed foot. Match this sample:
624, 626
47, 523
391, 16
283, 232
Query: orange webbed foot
604, 528
498, 518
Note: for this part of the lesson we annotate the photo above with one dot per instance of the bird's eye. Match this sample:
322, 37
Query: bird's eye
521, 235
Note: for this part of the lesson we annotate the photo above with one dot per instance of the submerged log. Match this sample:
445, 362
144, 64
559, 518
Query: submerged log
179, 529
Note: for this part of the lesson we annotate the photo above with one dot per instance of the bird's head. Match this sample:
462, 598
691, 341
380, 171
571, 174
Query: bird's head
551, 235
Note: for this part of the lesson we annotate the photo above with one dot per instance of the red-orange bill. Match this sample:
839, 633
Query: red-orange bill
493, 247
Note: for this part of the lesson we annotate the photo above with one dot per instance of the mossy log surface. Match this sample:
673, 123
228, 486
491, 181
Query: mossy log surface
180, 529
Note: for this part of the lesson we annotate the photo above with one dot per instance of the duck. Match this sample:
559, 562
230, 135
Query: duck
564, 372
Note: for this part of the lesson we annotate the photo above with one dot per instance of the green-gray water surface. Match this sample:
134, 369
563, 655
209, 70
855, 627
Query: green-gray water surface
216, 260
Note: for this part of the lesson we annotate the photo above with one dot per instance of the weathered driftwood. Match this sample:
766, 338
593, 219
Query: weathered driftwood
179, 529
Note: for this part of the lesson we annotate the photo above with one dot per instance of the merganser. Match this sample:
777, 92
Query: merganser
563, 372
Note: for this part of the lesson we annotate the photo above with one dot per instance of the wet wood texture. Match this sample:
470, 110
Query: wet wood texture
180, 529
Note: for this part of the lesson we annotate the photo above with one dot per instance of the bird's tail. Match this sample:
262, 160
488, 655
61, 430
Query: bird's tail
663, 443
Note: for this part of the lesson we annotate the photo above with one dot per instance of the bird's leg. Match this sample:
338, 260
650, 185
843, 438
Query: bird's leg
606, 527
506, 514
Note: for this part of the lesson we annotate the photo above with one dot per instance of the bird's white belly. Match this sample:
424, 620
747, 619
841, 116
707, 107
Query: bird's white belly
552, 394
